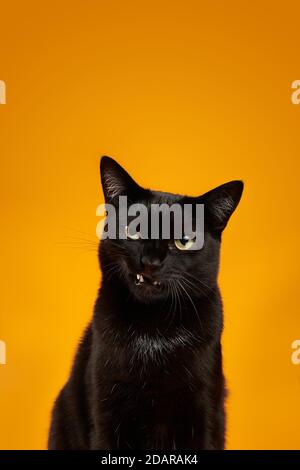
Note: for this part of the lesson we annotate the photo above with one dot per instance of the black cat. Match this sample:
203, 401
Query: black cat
148, 372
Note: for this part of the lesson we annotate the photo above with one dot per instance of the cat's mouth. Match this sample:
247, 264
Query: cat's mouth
142, 280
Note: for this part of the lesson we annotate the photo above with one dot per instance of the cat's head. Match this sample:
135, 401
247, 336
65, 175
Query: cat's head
152, 269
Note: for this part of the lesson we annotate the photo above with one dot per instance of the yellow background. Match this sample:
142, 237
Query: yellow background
186, 95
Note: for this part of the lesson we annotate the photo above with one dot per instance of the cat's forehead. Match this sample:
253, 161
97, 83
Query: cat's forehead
159, 197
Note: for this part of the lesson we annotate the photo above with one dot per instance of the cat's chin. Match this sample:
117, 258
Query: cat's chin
144, 289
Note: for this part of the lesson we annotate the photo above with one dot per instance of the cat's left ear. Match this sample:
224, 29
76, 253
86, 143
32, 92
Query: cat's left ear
116, 181
221, 202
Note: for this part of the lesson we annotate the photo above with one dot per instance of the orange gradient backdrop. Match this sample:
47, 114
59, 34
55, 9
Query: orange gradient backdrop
186, 95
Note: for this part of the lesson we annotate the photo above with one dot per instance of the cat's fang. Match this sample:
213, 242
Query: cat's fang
139, 279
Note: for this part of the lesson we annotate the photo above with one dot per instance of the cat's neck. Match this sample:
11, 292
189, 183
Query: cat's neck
115, 305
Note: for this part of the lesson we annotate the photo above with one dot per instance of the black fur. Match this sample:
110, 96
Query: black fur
148, 372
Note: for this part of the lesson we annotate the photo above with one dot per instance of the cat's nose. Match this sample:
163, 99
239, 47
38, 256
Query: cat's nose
150, 263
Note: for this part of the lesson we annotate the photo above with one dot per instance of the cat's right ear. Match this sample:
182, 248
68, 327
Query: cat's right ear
116, 181
221, 203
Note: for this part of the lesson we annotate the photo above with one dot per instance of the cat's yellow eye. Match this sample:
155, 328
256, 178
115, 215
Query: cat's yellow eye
132, 235
185, 243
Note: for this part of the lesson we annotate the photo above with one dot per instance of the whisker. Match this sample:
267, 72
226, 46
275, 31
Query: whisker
189, 297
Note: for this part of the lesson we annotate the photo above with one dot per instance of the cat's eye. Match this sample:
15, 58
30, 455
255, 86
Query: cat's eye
132, 235
184, 243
